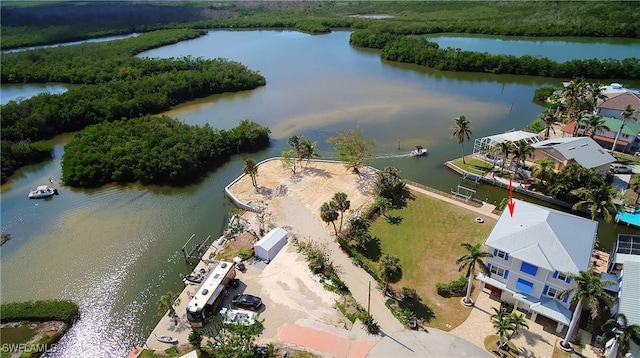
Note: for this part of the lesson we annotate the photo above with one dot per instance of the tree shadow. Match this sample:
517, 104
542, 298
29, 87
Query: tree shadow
401, 200
421, 310
394, 220
317, 172
372, 249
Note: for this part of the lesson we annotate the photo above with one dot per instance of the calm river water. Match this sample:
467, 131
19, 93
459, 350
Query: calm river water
115, 250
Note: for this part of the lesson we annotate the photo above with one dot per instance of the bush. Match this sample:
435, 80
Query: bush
409, 293
244, 253
360, 260
47, 310
452, 289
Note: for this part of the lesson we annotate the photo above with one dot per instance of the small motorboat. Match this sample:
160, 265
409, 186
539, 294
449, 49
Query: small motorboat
167, 339
419, 151
42, 191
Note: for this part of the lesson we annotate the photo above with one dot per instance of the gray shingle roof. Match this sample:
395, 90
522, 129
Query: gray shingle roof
584, 150
544, 237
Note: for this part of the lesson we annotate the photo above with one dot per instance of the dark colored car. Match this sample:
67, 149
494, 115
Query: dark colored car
247, 301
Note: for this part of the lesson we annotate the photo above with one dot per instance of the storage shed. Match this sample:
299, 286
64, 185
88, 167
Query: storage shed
268, 247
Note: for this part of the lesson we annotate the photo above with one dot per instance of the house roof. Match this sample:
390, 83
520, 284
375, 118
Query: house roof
513, 136
630, 127
630, 292
619, 102
544, 237
584, 150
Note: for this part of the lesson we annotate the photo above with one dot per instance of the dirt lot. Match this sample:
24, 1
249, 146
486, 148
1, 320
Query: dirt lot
291, 294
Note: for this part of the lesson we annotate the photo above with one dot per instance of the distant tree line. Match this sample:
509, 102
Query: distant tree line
39, 311
158, 150
423, 52
115, 86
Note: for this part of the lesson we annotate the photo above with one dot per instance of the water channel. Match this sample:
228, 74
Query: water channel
115, 249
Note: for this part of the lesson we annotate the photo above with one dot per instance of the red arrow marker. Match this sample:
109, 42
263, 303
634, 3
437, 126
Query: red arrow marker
511, 204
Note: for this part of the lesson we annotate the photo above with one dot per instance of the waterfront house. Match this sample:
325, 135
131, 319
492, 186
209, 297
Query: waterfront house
535, 253
628, 142
616, 104
624, 269
581, 150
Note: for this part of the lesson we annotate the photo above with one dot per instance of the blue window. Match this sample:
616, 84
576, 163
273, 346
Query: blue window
524, 286
528, 268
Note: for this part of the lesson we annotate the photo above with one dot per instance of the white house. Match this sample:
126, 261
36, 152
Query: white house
535, 252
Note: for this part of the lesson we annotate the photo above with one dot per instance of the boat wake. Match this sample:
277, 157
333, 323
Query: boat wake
391, 156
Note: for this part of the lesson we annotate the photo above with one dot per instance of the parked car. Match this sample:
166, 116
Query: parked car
618, 168
247, 301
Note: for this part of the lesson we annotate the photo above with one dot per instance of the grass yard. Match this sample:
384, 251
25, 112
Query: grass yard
473, 165
427, 241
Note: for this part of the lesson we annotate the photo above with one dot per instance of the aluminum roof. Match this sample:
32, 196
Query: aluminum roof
584, 150
544, 237
630, 292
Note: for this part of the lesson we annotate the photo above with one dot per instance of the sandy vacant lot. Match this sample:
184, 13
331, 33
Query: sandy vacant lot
312, 186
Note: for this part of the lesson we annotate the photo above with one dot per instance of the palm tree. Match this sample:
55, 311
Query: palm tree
597, 200
593, 124
629, 113
308, 151
462, 130
572, 97
390, 270
634, 184
294, 142
501, 322
549, 119
518, 322
588, 291
251, 168
522, 149
166, 302
468, 263
543, 169
342, 204
329, 214
505, 148
618, 328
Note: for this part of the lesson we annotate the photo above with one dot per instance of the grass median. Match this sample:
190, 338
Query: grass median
427, 240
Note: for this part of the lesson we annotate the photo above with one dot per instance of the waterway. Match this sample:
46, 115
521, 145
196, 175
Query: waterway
115, 250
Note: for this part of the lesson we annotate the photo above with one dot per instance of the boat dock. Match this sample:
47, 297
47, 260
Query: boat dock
178, 327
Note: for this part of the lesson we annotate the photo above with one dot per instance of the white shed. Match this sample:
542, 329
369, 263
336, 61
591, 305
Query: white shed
268, 247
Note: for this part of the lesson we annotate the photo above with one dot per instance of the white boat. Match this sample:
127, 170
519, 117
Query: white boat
42, 191
167, 339
419, 151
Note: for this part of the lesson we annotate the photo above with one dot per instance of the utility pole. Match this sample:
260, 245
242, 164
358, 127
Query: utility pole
369, 300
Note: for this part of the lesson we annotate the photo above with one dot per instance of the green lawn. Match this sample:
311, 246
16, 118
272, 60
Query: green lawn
427, 241
473, 165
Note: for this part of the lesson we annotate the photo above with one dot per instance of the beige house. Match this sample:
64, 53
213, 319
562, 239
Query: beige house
565, 151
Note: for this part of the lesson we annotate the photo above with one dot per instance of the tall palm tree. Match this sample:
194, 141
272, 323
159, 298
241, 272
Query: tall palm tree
597, 200
629, 113
588, 291
505, 148
634, 184
342, 204
329, 214
468, 264
500, 320
294, 142
166, 302
619, 329
543, 169
390, 270
572, 98
593, 124
549, 119
462, 130
521, 150
308, 151
250, 168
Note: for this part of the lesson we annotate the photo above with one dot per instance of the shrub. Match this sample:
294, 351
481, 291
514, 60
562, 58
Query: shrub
452, 289
409, 293
244, 253
46, 310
